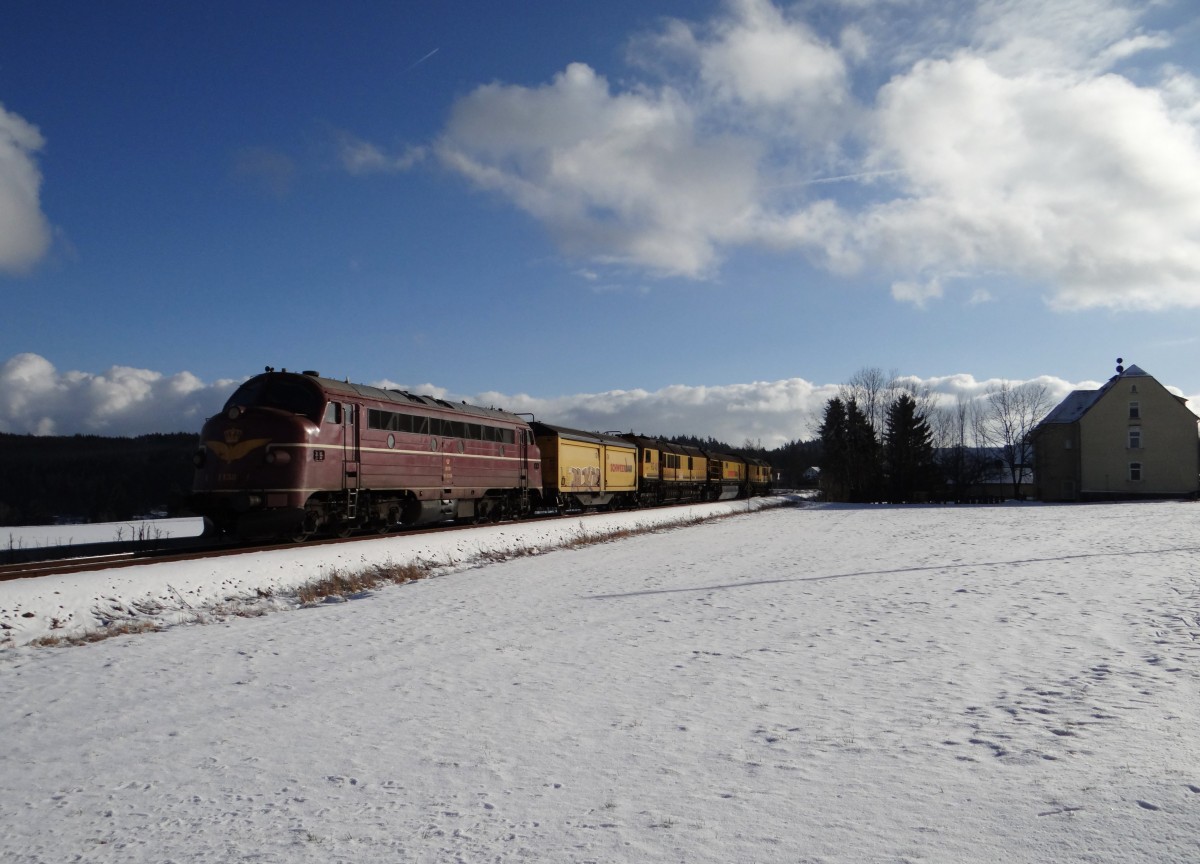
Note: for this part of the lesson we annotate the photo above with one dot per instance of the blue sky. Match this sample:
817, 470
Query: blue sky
705, 204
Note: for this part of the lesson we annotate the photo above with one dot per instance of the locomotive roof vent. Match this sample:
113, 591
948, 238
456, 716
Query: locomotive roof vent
311, 372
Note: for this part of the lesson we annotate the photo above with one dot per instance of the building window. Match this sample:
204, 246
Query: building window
1135, 437
1135, 471
1067, 444
1134, 411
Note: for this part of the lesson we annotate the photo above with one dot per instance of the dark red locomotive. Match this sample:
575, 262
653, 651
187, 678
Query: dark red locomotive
293, 454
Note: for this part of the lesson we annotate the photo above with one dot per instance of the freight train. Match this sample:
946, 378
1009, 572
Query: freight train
296, 454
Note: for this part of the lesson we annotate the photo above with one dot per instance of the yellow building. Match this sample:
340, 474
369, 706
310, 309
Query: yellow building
1130, 439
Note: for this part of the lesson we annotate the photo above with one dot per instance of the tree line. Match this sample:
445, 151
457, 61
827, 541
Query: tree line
90, 478
885, 438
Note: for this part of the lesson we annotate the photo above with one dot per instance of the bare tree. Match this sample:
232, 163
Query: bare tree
873, 391
1009, 413
958, 439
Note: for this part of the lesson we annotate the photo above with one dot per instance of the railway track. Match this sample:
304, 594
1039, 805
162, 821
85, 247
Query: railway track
195, 548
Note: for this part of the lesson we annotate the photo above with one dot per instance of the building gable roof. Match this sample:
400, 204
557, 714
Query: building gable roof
1079, 402
1073, 407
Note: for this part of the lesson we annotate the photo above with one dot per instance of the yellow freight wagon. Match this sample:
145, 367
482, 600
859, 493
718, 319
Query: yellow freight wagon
585, 469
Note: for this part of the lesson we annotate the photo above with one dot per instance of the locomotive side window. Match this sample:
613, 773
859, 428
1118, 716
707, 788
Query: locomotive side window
333, 413
392, 421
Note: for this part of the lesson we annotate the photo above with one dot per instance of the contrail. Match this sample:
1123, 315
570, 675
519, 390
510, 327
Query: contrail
423, 59
840, 178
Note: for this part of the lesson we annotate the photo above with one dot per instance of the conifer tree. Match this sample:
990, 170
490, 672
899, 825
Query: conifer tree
850, 461
907, 451
834, 461
863, 455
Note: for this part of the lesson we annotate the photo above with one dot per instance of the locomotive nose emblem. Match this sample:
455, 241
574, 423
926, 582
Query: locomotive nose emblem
231, 451
233, 436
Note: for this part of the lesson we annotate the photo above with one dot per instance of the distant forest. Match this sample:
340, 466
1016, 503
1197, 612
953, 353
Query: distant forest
788, 462
88, 478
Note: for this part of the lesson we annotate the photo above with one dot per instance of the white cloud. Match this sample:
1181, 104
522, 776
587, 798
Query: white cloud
362, 157
24, 231
759, 58
917, 293
37, 399
1086, 185
620, 178
1001, 142
1087, 35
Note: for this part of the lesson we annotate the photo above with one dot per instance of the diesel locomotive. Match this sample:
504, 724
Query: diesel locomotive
296, 454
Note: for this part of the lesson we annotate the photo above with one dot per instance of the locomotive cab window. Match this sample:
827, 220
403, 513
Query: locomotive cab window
293, 395
333, 413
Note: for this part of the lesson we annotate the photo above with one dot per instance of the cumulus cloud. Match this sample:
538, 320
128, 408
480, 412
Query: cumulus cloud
1088, 185
770, 413
24, 231
1015, 137
37, 399
618, 177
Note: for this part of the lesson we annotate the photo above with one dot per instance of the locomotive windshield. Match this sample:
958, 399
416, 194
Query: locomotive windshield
294, 395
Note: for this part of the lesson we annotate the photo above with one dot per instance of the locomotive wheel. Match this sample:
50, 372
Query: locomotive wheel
304, 530
344, 529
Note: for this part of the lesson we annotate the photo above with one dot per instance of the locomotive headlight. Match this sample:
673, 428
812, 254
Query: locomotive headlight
278, 457
200, 457
234, 412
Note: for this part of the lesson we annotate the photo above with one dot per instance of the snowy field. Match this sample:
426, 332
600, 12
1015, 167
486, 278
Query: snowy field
812, 684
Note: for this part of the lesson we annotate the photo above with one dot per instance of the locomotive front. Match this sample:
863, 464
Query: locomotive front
253, 475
